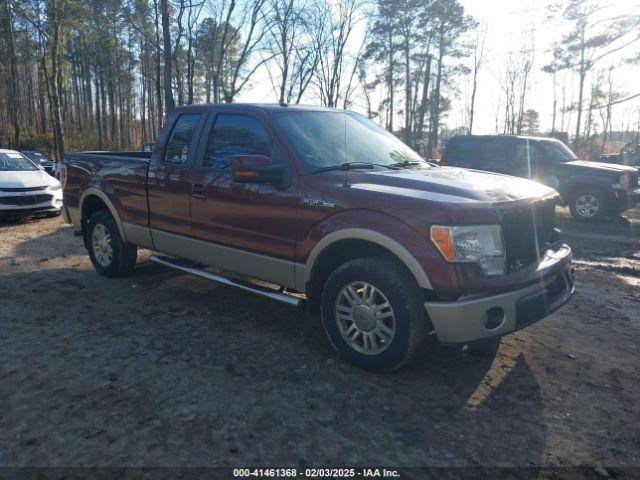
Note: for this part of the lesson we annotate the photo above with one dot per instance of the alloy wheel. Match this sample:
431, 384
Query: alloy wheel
365, 318
102, 246
587, 206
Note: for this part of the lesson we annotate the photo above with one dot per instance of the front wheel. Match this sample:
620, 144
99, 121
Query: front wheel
588, 205
109, 254
373, 314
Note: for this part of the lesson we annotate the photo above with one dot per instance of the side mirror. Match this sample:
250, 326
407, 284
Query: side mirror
255, 169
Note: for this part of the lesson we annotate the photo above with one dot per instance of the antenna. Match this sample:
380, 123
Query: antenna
346, 154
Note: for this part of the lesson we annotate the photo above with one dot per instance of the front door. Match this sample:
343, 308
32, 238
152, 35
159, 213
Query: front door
250, 227
538, 163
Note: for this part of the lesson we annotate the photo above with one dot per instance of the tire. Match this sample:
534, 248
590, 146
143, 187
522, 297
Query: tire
110, 256
589, 205
380, 281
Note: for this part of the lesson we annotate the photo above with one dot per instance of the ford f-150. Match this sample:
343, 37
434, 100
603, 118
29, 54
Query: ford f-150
337, 214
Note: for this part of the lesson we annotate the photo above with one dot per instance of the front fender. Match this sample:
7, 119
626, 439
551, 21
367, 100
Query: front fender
383, 230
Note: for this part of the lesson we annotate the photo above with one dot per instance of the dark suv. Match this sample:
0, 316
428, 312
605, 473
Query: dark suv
592, 190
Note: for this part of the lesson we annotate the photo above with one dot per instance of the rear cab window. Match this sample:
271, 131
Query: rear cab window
478, 152
181, 139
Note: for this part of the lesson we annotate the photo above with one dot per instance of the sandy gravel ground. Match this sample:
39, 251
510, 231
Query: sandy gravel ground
163, 369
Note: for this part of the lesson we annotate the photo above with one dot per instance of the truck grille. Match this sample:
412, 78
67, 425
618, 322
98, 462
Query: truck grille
25, 200
22, 189
528, 232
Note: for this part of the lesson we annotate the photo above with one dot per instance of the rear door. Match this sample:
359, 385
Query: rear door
495, 154
250, 226
169, 187
488, 153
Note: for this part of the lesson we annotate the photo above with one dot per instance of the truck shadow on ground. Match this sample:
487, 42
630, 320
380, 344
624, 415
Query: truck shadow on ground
6, 222
165, 369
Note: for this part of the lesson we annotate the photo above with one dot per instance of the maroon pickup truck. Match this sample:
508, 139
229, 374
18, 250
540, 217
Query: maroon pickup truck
327, 209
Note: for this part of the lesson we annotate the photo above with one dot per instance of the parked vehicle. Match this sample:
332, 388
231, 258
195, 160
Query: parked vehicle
41, 160
57, 170
25, 189
147, 147
339, 213
627, 157
592, 190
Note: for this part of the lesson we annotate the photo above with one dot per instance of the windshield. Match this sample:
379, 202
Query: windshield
325, 139
559, 152
15, 162
35, 156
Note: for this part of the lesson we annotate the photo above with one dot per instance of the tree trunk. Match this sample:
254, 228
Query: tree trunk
98, 119
407, 93
158, 82
583, 74
57, 12
435, 121
390, 80
169, 104
472, 107
14, 99
425, 97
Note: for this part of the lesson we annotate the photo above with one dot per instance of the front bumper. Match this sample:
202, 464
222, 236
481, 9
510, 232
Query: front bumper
14, 204
485, 316
624, 200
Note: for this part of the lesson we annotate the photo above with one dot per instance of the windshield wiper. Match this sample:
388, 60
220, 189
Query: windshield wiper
405, 163
344, 167
355, 166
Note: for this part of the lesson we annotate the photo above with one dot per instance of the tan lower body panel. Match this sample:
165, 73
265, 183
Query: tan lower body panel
254, 265
465, 321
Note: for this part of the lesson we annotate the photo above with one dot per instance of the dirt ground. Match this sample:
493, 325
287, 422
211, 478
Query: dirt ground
163, 369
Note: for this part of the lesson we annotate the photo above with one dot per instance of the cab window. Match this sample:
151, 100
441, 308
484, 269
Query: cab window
179, 143
238, 135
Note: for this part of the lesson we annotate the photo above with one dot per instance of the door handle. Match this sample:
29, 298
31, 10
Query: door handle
197, 190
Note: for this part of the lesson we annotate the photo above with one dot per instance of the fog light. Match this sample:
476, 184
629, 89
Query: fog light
493, 318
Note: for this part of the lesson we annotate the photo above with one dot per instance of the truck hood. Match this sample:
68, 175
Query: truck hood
452, 185
581, 165
26, 179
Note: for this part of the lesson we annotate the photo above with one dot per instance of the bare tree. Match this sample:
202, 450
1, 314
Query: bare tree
291, 45
169, 103
14, 98
238, 46
331, 33
478, 58
592, 37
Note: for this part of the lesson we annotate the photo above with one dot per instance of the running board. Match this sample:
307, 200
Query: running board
232, 282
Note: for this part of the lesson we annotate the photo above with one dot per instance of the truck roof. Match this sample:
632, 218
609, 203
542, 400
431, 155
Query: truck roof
266, 107
531, 137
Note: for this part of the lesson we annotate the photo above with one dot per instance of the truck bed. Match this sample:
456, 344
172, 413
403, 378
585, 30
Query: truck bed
122, 175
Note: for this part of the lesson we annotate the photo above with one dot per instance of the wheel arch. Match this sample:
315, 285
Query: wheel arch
93, 200
348, 244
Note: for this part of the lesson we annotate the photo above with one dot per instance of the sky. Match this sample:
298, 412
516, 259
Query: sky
510, 24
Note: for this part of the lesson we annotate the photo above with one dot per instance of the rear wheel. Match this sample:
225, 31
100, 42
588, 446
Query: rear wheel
109, 254
373, 314
588, 205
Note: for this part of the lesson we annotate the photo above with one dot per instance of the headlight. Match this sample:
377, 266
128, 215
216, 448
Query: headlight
481, 244
55, 186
